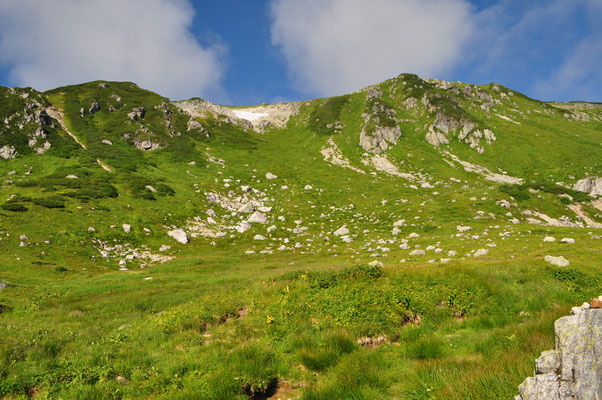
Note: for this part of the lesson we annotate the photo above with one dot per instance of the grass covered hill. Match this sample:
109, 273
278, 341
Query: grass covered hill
389, 243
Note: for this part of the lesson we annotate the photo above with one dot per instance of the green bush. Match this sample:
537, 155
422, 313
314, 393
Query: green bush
50, 202
515, 191
94, 192
164, 190
17, 207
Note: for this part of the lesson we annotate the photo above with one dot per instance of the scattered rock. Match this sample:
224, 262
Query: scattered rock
417, 252
376, 263
137, 113
549, 239
146, 144
557, 261
2, 285
179, 235
257, 217
8, 152
127, 228
342, 231
567, 240
481, 252
269, 175
460, 228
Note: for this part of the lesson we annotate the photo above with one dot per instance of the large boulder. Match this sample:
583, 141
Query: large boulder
8, 152
179, 235
573, 370
257, 217
591, 185
94, 107
557, 261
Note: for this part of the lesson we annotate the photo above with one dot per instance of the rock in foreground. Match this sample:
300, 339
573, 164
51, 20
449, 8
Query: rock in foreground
572, 370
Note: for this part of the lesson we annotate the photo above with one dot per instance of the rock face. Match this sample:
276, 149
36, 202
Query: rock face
591, 185
573, 370
8, 152
381, 129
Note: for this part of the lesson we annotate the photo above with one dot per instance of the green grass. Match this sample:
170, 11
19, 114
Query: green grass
217, 323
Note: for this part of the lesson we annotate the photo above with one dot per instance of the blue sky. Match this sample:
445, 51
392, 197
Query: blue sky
254, 51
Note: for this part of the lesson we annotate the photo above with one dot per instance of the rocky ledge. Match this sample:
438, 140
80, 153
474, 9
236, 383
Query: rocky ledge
573, 369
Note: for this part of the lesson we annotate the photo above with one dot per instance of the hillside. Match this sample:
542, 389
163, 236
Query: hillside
389, 243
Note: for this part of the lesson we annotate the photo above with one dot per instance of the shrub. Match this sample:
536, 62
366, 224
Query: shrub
164, 190
515, 191
50, 202
94, 192
14, 207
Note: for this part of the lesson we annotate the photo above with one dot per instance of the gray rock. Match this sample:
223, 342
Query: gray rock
342, 231
94, 107
246, 208
8, 152
127, 228
2, 285
547, 362
179, 235
380, 139
137, 113
590, 185
106, 141
257, 217
194, 124
436, 138
481, 252
557, 261
376, 263
146, 144
572, 370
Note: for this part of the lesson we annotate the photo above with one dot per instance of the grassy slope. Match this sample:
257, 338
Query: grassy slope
216, 323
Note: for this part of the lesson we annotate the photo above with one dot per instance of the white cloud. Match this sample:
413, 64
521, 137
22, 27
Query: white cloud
579, 77
51, 43
337, 46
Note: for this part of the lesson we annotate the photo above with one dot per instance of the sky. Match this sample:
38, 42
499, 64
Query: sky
244, 52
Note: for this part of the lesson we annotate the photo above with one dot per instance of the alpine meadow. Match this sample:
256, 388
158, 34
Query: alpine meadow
415, 239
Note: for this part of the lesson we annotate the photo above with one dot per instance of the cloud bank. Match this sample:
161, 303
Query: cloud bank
52, 43
337, 46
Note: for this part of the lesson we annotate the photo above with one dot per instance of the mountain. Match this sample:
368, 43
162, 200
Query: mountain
403, 241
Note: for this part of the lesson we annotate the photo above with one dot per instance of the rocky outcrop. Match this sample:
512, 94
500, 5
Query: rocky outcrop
380, 129
573, 370
137, 113
94, 107
8, 152
591, 185
146, 144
